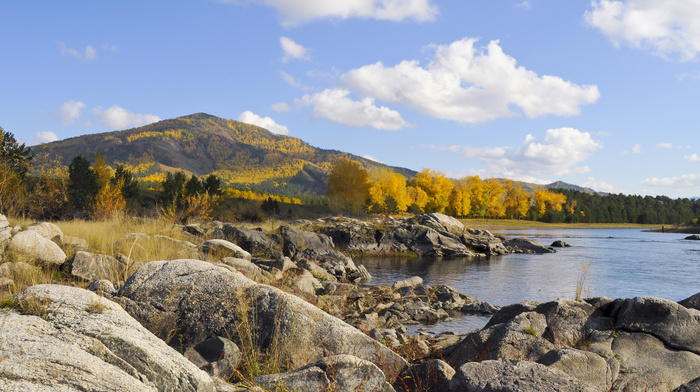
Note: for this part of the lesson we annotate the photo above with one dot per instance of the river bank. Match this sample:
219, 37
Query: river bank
232, 303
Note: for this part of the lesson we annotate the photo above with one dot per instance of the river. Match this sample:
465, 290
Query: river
616, 263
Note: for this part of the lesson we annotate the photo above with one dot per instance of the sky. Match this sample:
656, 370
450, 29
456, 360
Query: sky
603, 94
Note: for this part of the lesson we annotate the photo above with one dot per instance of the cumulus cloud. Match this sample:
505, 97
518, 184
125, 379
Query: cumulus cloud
470, 85
291, 80
89, 54
667, 28
292, 50
295, 12
665, 146
281, 107
117, 117
70, 112
336, 106
559, 153
684, 181
46, 137
692, 158
263, 122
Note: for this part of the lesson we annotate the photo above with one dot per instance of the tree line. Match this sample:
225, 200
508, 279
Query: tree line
353, 188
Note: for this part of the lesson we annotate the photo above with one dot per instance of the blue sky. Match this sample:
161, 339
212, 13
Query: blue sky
601, 93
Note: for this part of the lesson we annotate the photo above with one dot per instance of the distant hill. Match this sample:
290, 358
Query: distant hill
242, 155
564, 185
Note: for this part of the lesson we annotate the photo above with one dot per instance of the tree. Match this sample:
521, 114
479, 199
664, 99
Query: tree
494, 190
16, 156
103, 171
546, 199
460, 198
418, 199
516, 200
193, 187
129, 185
348, 185
478, 196
436, 186
172, 193
388, 191
212, 185
83, 184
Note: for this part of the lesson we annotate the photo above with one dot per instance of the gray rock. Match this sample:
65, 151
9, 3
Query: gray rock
92, 267
410, 282
692, 302
86, 342
694, 237
6, 284
441, 223
19, 270
431, 376
340, 373
484, 242
646, 364
585, 366
526, 245
217, 249
301, 280
692, 386
4, 222
30, 246
221, 357
247, 268
560, 244
76, 243
5, 235
254, 241
202, 300
513, 376
677, 326
48, 231
318, 272
102, 287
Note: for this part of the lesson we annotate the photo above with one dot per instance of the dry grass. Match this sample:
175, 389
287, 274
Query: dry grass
580, 282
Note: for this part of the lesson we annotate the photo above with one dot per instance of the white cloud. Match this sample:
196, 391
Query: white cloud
692, 158
70, 112
117, 117
637, 149
470, 85
263, 122
600, 186
525, 5
89, 54
292, 50
281, 107
46, 137
686, 180
557, 154
336, 106
371, 158
297, 12
665, 146
667, 28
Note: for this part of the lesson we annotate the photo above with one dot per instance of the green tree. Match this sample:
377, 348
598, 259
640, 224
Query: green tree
16, 156
212, 185
173, 190
193, 187
83, 184
130, 187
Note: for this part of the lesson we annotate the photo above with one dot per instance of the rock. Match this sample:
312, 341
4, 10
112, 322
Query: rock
340, 373
48, 231
19, 270
6, 284
431, 376
484, 242
221, 356
677, 326
694, 237
509, 312
410, 282
526, 245
646, 364
28, 245
218, 249
4, 222
519, 338
692, 386
77, 244
247, 268
513, 376
441, 223
301, 280
91, 267
318, 272
692, 302
102, 287
255, 241
202, 300
5, 235
84, 342
560, 244
584, 366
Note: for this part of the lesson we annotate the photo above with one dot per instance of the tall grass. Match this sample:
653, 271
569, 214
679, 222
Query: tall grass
580, 282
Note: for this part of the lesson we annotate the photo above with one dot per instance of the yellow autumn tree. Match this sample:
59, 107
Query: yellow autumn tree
477, 194
418, 197
437, 186
493, 191
516, 200
348, 186
546, 199
460, 198
109, 201
388, 191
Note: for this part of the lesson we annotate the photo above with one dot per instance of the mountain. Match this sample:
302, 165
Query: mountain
242, 155
571, 187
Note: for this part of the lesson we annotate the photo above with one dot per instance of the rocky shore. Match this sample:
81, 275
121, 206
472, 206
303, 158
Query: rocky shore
238, 309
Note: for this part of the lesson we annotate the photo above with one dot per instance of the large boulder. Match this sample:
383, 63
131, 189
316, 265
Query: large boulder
339, 373
526, 245
441, 223
30, 246
67, 338
253, 240
585, 366
217, 249
513, 376
692, 302
430, 376
677, 326
47, 230
192, 300
92, 267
